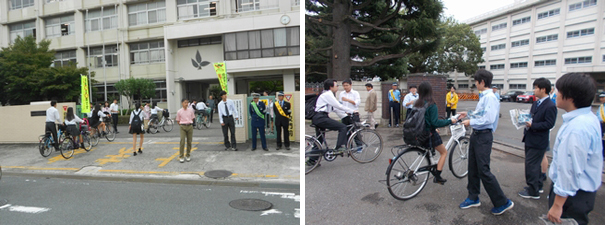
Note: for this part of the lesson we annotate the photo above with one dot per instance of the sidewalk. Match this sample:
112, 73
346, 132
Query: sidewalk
160, 159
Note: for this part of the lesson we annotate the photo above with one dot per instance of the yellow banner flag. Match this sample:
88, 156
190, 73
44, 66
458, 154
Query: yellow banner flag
85, 95
221, 72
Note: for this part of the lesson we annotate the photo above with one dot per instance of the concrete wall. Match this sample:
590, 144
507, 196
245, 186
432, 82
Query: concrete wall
18, 126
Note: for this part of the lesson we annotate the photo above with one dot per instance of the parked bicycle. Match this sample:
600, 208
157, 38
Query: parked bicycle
364, 146
166, 123
410, 168
202, 119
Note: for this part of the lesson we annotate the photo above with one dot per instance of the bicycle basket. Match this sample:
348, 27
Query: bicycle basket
83, 127
165, 113
458, 128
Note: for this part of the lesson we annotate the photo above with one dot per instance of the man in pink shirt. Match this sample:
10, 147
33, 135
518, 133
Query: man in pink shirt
185, 117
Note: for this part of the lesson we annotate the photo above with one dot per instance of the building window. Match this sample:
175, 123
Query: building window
483, 49
517, 86
462, 86
550, 62
200, 41
480, 32
518, 65
160, 91
18, 4
550, 13
148, 52
578, 60
105, 19
519, 43
553, 37
263, 43
500, 86
496, 67
603, 58
578, 33
522, 21
23, 30
580, 5
255, 5
97, 56
54, 25
51, 1
196, 8
147, 13
63, 59
498, 47
499, 26
481, 67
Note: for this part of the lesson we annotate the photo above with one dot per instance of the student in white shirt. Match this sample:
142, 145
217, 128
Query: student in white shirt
327, 103
350, 99
153, 119
71, 120
114, 110
52, 119
227, 113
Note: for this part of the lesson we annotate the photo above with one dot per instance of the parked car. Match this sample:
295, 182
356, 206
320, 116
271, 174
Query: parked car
510, 96
527, 97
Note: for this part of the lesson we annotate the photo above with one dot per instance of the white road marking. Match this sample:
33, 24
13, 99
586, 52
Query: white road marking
270, 211
24, 209
282, 154
296, 213
292, 196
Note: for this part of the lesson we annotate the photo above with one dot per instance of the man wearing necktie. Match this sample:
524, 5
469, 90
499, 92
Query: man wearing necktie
536, 138
257, 114
227, 113
282, 120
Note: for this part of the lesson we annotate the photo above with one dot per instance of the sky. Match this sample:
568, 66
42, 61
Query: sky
466, 9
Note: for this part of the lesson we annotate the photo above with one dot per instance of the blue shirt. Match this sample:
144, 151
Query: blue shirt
577, 161
397, 94
486, 113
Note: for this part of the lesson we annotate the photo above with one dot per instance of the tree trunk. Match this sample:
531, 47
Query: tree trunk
341, 54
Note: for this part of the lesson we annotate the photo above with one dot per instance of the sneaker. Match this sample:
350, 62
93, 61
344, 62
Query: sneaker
188, 158
499, 210
181, 160
468, 203
234, 149
397, 125
541, 191
266, 149
287, 148
525, 194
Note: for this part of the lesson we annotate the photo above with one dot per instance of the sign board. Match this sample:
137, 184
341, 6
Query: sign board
85, 95
221, 72
291, 129
239, 107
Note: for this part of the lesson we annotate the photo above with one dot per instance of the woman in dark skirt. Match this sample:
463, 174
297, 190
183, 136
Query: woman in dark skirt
134, 130
71, 121
432, 121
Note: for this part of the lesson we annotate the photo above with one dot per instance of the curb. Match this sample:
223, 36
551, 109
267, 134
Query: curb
158, 180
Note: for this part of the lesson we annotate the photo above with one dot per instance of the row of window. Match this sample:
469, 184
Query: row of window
519, 43
499, 27
553, 37
498, 47
196, 8
550, 62
522, 21
579, 33
200, 41
518, 65
147, 13
18, 4
263, 43
517, 86
500, 86
547, 38
480, 32
584, 4
578, 60
549, 13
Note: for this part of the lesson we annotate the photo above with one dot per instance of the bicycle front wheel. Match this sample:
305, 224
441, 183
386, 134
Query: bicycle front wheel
404, 177
459, 157
110, 134
365, 145
67, 147
198, 123
94, 139
313, 153
45, 147
86, 141
207, 122
168, 124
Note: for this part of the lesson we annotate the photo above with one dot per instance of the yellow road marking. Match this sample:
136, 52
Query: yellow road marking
39, 168
136, 171
60, 157
163, 143
115, 158
167, 160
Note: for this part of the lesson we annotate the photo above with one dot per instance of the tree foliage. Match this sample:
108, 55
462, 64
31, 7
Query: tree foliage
269, 86
26, 74
368, 36
135, 88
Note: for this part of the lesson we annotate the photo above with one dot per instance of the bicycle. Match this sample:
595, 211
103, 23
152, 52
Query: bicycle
47, 143
109, 134
166, 123
86, 137
202, 119
412, 164
364, 146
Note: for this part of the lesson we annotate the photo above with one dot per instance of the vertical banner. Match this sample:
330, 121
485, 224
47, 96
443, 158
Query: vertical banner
239, 106
221, 72
85, 95
291, 129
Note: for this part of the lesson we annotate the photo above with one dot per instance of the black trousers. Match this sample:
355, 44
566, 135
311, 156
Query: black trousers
282, 124
450, 111
211, 114
407, 113
478, 169
229, 125
533, 169
322, 121
576, 207
52, 127
114, 119
348, 121
394, 107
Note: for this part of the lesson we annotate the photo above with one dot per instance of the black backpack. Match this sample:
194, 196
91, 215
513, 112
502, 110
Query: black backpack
136, 121
414, 129
310, 101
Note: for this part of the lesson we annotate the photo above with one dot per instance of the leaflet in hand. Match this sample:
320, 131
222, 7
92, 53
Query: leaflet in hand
519, 117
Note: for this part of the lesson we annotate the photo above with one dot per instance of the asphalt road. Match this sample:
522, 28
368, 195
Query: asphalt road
346, 192
73, 201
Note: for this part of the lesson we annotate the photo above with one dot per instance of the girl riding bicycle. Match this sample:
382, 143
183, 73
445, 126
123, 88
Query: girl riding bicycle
154, 114
71, 121
432, 121
96, 120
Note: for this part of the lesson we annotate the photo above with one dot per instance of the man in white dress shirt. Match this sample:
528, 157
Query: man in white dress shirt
350, 99
114, 109
226, 114
409, 100
52, 119
327, 103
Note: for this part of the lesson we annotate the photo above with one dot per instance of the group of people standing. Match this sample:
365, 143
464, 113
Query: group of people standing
260, 114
